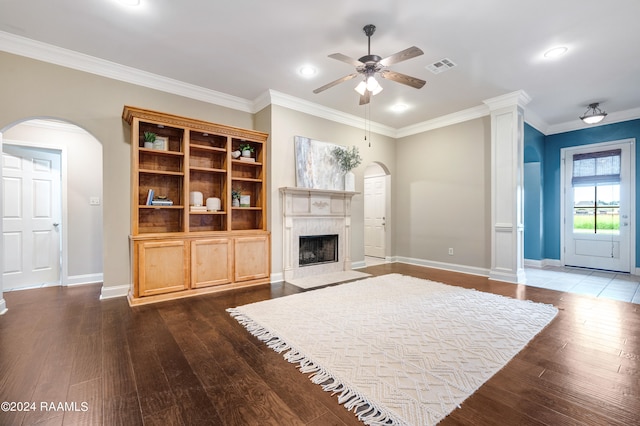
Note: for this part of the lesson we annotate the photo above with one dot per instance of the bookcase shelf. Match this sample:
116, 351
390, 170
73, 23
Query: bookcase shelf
191, 155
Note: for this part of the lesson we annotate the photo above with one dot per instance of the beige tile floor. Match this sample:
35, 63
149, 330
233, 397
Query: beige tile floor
595, 283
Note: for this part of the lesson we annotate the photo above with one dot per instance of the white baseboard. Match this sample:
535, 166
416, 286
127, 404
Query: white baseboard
532, 263
109, 292
277, 277
3, 307
84, 279
358, 265
472, 270
552, 262
518, 277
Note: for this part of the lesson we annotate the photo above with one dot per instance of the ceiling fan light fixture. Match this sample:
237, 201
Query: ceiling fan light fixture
369, 65
372, 83
593, 114
377, 90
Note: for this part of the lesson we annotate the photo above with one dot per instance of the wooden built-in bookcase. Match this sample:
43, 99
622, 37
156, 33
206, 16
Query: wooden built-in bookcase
177, 251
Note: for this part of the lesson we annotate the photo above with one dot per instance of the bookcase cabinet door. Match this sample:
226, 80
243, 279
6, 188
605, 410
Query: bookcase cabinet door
162, 267
251, 257
211, 262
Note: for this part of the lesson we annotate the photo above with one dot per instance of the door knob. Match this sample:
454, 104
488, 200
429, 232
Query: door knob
56, 224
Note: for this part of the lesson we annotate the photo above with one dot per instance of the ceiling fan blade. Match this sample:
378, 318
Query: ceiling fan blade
335, 82
347, 59
402, 78
366, 98
408, 53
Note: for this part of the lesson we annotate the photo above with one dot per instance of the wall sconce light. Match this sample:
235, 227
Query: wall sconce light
593, 114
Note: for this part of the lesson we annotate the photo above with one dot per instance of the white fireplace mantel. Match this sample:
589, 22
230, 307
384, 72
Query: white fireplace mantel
308, 211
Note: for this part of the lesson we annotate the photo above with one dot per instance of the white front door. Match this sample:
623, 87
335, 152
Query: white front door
31, 210
598, 204
375, 194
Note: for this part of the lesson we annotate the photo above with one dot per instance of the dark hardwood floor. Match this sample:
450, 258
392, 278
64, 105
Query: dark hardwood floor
187, 362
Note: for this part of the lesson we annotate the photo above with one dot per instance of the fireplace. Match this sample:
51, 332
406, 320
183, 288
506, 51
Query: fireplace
316, 249
319, 213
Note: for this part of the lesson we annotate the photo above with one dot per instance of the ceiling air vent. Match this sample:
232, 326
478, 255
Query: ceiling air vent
441, 66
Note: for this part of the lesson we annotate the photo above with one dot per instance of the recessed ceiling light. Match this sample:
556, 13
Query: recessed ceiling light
399, 107
130, 2
556, 52
307, 71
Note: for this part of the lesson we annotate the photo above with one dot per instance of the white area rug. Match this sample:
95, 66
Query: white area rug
326, 279
397, 349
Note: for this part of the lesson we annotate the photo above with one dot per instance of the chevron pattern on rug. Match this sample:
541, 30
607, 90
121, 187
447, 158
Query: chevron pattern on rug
397, 349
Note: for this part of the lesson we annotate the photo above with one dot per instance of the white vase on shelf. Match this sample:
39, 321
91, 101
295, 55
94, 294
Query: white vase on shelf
349, 181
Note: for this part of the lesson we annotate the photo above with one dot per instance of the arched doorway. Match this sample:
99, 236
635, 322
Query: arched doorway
79, 224
377, 212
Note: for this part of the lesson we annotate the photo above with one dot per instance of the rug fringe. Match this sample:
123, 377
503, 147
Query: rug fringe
366, 411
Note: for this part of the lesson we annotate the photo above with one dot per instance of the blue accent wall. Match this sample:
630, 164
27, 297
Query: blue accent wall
551, 175
533, 193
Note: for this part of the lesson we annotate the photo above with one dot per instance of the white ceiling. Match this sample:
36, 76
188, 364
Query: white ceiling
244, 48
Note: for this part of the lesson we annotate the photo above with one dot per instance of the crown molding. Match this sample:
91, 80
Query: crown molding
23, 46
297, 104
532, 119
443, 121
26, 47
519, 98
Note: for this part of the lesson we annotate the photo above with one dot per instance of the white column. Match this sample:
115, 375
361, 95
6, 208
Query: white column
3, 303
347, 234
507, 174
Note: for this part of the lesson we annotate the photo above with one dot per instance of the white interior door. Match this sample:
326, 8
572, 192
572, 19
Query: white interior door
375, 194
31, 216
598, 202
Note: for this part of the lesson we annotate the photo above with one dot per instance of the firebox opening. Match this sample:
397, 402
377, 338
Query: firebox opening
315, 249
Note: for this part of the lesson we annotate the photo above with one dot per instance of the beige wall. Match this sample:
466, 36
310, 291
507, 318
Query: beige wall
286, 124
443, 195
440, 191
30, 89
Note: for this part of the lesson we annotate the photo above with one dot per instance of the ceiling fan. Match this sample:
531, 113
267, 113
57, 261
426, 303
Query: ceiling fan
370, 65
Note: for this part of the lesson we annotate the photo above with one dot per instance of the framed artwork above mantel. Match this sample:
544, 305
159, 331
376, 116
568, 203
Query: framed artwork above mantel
316, 166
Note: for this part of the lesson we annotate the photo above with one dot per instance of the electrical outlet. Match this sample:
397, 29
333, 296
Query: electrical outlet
450, 251
94, 201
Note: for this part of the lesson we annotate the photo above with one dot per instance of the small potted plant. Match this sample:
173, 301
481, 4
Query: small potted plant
149, 139
235, 197
348, 159
246, 149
